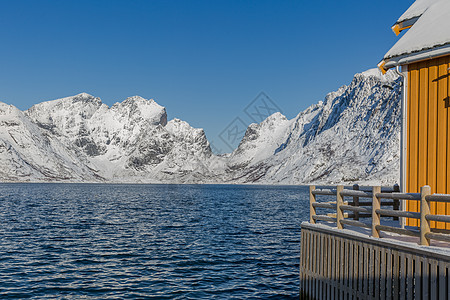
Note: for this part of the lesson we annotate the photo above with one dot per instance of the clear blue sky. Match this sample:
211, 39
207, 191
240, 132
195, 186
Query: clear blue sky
205, 61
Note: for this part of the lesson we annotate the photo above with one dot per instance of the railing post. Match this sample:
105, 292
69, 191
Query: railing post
376, 204
339, 202
424, 211
312, 209
396, 201
356, 202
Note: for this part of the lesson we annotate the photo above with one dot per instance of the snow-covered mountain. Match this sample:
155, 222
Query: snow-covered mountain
81, 139
351, 136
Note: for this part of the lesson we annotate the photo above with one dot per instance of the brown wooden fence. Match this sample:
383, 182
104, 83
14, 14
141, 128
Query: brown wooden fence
378, 199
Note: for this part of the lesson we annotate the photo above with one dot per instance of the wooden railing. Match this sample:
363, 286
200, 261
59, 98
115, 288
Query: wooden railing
378, 197
337, 264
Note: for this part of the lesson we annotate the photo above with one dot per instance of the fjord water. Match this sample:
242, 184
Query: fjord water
103, 241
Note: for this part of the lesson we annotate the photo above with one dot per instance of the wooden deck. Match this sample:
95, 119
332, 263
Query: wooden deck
341, 264
361, 255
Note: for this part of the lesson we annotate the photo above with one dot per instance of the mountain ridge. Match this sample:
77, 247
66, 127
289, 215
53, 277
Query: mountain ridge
351, 136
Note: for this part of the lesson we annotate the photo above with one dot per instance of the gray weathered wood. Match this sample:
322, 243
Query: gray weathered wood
366, 203
325, 192
324, 218
328, 267
376, 276
389, 274
438, 236
310, 261
366, 270
302, 257
409, 277
438, 198
355, 268
355, 223
316, 265
360, 267
356, 209
425, 279
336, 264
402, 276
418, 277
397, 213
396, 205
345, 264
438, 218
321, 264
334, 268
361, 216
352, 193
399, 196
433, 279
341, 265
395, 274
324, 205
382, 273
371, 263
356, 202
443, 294
398, 230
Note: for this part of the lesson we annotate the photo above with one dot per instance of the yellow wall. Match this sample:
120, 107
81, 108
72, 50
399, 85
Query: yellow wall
428, 134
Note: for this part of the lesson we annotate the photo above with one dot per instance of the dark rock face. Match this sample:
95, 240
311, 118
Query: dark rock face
151, 151
88, 146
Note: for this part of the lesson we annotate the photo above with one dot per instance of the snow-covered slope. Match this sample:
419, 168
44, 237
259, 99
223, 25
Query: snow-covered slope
28, 153
353, 135
128, 142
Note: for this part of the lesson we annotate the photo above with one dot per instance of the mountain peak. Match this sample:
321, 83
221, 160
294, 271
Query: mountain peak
137, 99
139, 107
375, 72
277, 116
84, 95
81, 97
352, 136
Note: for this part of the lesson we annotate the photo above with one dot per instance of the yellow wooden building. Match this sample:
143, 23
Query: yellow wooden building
422, 56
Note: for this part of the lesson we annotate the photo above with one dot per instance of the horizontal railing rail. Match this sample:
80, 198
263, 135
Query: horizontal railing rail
355, 193
399, 196
372, 209
397, 213
438, 198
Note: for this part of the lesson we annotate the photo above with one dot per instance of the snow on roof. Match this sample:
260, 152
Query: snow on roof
416, 10
430, 31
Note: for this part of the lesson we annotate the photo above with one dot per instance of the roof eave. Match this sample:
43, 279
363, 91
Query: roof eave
409, 58
405, 24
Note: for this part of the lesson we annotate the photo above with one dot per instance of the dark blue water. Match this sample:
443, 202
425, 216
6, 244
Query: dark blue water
150, 241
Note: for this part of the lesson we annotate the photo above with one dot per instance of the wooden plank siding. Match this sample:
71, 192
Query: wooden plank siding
349, 266
428, 134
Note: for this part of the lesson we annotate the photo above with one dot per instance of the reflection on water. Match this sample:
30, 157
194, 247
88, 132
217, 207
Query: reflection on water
164, 241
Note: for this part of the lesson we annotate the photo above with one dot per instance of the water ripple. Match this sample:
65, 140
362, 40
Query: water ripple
71, 241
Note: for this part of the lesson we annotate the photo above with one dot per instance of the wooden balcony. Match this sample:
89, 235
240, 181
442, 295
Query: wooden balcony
357, 249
